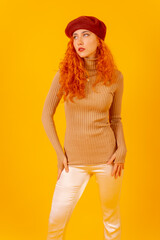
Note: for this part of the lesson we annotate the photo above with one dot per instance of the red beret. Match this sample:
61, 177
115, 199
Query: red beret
87, 22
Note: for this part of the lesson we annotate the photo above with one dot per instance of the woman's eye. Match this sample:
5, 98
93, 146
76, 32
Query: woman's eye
83, 35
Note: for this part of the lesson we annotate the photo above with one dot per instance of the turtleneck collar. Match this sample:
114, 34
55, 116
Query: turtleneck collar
90, 63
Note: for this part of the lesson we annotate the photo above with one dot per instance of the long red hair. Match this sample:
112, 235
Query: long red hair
73, 73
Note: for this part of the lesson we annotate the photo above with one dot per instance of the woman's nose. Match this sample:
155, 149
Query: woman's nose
80, 41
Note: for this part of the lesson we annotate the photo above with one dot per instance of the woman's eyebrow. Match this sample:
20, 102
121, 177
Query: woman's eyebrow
82, 32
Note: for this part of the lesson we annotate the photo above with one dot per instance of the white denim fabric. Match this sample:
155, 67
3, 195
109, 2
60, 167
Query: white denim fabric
68, 190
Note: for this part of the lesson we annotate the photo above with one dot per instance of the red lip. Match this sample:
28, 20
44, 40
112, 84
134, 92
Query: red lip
81, 49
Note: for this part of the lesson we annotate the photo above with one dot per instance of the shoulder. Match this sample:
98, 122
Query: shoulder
119, 78
55, 84
57, 74
56, 77
119, 75
119, 83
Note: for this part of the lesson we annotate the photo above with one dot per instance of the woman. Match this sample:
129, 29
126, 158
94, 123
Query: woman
92, 88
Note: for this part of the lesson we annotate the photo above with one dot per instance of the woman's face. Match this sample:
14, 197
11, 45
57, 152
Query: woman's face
83, 38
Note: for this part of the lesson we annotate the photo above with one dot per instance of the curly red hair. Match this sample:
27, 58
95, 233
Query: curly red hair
73, 73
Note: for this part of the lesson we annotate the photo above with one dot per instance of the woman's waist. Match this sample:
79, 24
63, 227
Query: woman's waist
91, 134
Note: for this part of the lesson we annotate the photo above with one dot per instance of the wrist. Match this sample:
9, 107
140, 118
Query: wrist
120, 155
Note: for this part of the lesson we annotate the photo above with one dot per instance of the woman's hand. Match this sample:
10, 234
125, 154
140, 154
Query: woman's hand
61, 165
117, 167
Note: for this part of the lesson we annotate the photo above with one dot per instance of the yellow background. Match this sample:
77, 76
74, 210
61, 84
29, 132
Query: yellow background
32, 43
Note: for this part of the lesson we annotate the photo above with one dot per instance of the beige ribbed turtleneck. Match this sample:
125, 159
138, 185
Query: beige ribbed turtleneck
94, 129
90, 65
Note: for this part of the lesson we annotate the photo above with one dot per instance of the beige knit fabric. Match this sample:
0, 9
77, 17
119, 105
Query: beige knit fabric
94, 128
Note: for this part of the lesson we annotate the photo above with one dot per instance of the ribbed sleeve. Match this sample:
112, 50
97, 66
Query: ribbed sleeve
49, 109
115, 120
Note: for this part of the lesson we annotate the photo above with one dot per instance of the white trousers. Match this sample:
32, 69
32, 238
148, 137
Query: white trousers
68, 190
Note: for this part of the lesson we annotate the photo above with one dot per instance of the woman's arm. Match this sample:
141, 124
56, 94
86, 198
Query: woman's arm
50, 105
115, 120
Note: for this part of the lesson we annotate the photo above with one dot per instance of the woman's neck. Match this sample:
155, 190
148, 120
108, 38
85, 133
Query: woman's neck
90, 63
